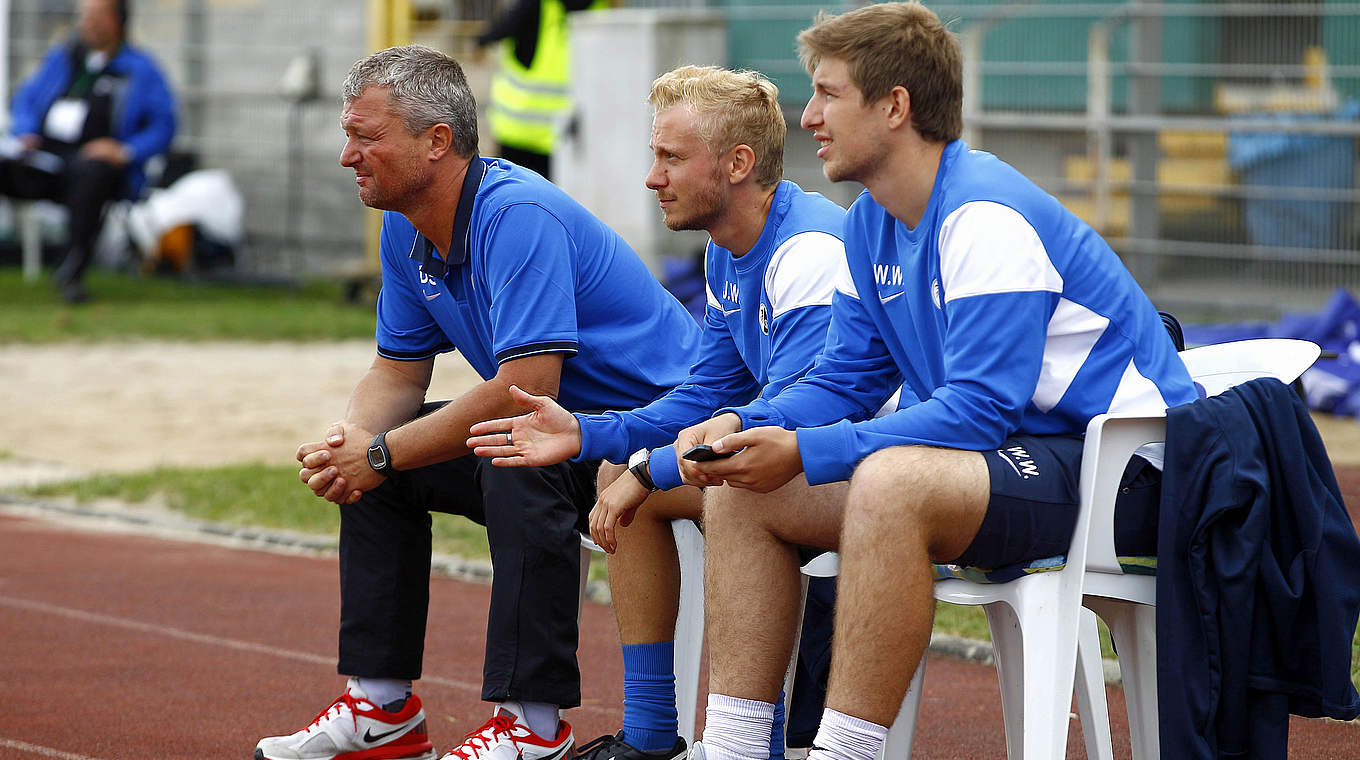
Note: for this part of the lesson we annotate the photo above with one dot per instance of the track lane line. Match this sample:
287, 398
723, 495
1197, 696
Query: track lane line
44, 751
220, 641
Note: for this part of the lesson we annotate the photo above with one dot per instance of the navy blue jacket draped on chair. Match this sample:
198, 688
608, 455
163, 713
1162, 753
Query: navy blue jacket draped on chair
1258, 581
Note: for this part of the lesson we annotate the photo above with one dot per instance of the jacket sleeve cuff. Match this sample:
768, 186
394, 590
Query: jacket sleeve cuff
758, 413
594, 438
665, 468
828, 452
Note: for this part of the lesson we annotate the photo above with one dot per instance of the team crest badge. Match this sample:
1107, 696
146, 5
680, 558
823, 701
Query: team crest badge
764, 319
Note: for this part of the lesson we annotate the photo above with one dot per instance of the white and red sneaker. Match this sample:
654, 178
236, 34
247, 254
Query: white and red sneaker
505, 737
353, 728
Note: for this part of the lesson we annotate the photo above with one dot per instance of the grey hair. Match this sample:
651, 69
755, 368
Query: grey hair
425, 86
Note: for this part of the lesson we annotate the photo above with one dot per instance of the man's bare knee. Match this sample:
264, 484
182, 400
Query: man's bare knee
726, 507
942, 493
795, 513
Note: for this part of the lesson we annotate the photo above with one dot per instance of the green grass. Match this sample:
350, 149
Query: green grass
125, 306
272, 497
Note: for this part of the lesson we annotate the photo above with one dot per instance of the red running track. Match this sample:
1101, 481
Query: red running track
123, 646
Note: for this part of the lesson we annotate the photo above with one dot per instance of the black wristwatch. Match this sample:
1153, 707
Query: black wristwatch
638, 464
379, 458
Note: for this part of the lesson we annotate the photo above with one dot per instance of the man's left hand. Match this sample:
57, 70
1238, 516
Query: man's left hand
616, 507
766, 458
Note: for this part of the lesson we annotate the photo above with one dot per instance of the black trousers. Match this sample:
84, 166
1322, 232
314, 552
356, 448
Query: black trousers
83, 187
533, 518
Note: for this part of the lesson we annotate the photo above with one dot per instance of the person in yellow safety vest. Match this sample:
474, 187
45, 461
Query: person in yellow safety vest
529, 93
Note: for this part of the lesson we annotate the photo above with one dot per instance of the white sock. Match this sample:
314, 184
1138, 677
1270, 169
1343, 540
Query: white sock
845, 737
380, 691
737, 729
540, 717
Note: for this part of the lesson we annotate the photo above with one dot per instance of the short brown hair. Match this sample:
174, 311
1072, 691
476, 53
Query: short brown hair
730, 108
891, 44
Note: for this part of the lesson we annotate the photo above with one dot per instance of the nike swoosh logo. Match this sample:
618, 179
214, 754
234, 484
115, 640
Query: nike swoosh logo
369, 737
730, 312
885, 299
432, 296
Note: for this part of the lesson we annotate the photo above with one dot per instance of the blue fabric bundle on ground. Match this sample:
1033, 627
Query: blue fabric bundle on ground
1331, 385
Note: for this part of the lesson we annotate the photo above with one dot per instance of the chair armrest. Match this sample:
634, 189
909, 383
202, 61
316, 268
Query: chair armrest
1111, 439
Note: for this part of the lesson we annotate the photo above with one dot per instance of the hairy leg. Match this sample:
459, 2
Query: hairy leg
751, 579
907, 506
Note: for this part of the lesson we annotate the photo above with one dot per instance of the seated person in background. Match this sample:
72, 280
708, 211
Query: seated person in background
84, 125
1012, 324
487, 258
771, 265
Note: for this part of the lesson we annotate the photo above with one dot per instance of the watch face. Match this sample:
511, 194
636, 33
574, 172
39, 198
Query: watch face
638, 457
377, 457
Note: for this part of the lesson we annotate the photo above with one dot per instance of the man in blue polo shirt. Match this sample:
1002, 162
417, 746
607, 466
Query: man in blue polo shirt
484, 257
771, 265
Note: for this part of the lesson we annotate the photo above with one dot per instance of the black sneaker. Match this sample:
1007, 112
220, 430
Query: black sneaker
615, 748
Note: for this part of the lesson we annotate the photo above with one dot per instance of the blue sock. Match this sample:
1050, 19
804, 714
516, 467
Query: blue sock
777, 730
650, 721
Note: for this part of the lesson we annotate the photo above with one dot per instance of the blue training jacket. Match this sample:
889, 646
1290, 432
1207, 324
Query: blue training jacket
999, 313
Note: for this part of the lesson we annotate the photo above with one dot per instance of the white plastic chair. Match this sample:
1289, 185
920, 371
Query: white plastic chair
1045, 641
1035, 619
689, 624
1044, 609
1127, 602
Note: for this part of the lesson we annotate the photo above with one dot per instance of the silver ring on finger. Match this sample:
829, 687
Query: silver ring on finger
509, 441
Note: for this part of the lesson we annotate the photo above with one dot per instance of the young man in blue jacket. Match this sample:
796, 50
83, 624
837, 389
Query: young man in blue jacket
1009, 322
771, 264
84, 126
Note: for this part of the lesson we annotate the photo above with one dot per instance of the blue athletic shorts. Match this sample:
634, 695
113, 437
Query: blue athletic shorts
1033, 506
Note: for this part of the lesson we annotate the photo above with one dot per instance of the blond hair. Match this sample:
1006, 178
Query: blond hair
891, 44
730, 108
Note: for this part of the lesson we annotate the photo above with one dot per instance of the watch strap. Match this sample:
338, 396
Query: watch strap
639, 467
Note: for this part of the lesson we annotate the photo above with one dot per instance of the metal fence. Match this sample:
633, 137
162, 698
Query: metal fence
1212, 143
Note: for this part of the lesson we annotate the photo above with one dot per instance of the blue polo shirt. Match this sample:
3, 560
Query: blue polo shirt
531, 271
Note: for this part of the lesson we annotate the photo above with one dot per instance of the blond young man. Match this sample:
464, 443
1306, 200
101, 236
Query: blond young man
774, 255
1011, 324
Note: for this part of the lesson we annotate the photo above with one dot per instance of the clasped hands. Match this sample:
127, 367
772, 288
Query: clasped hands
336, 468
